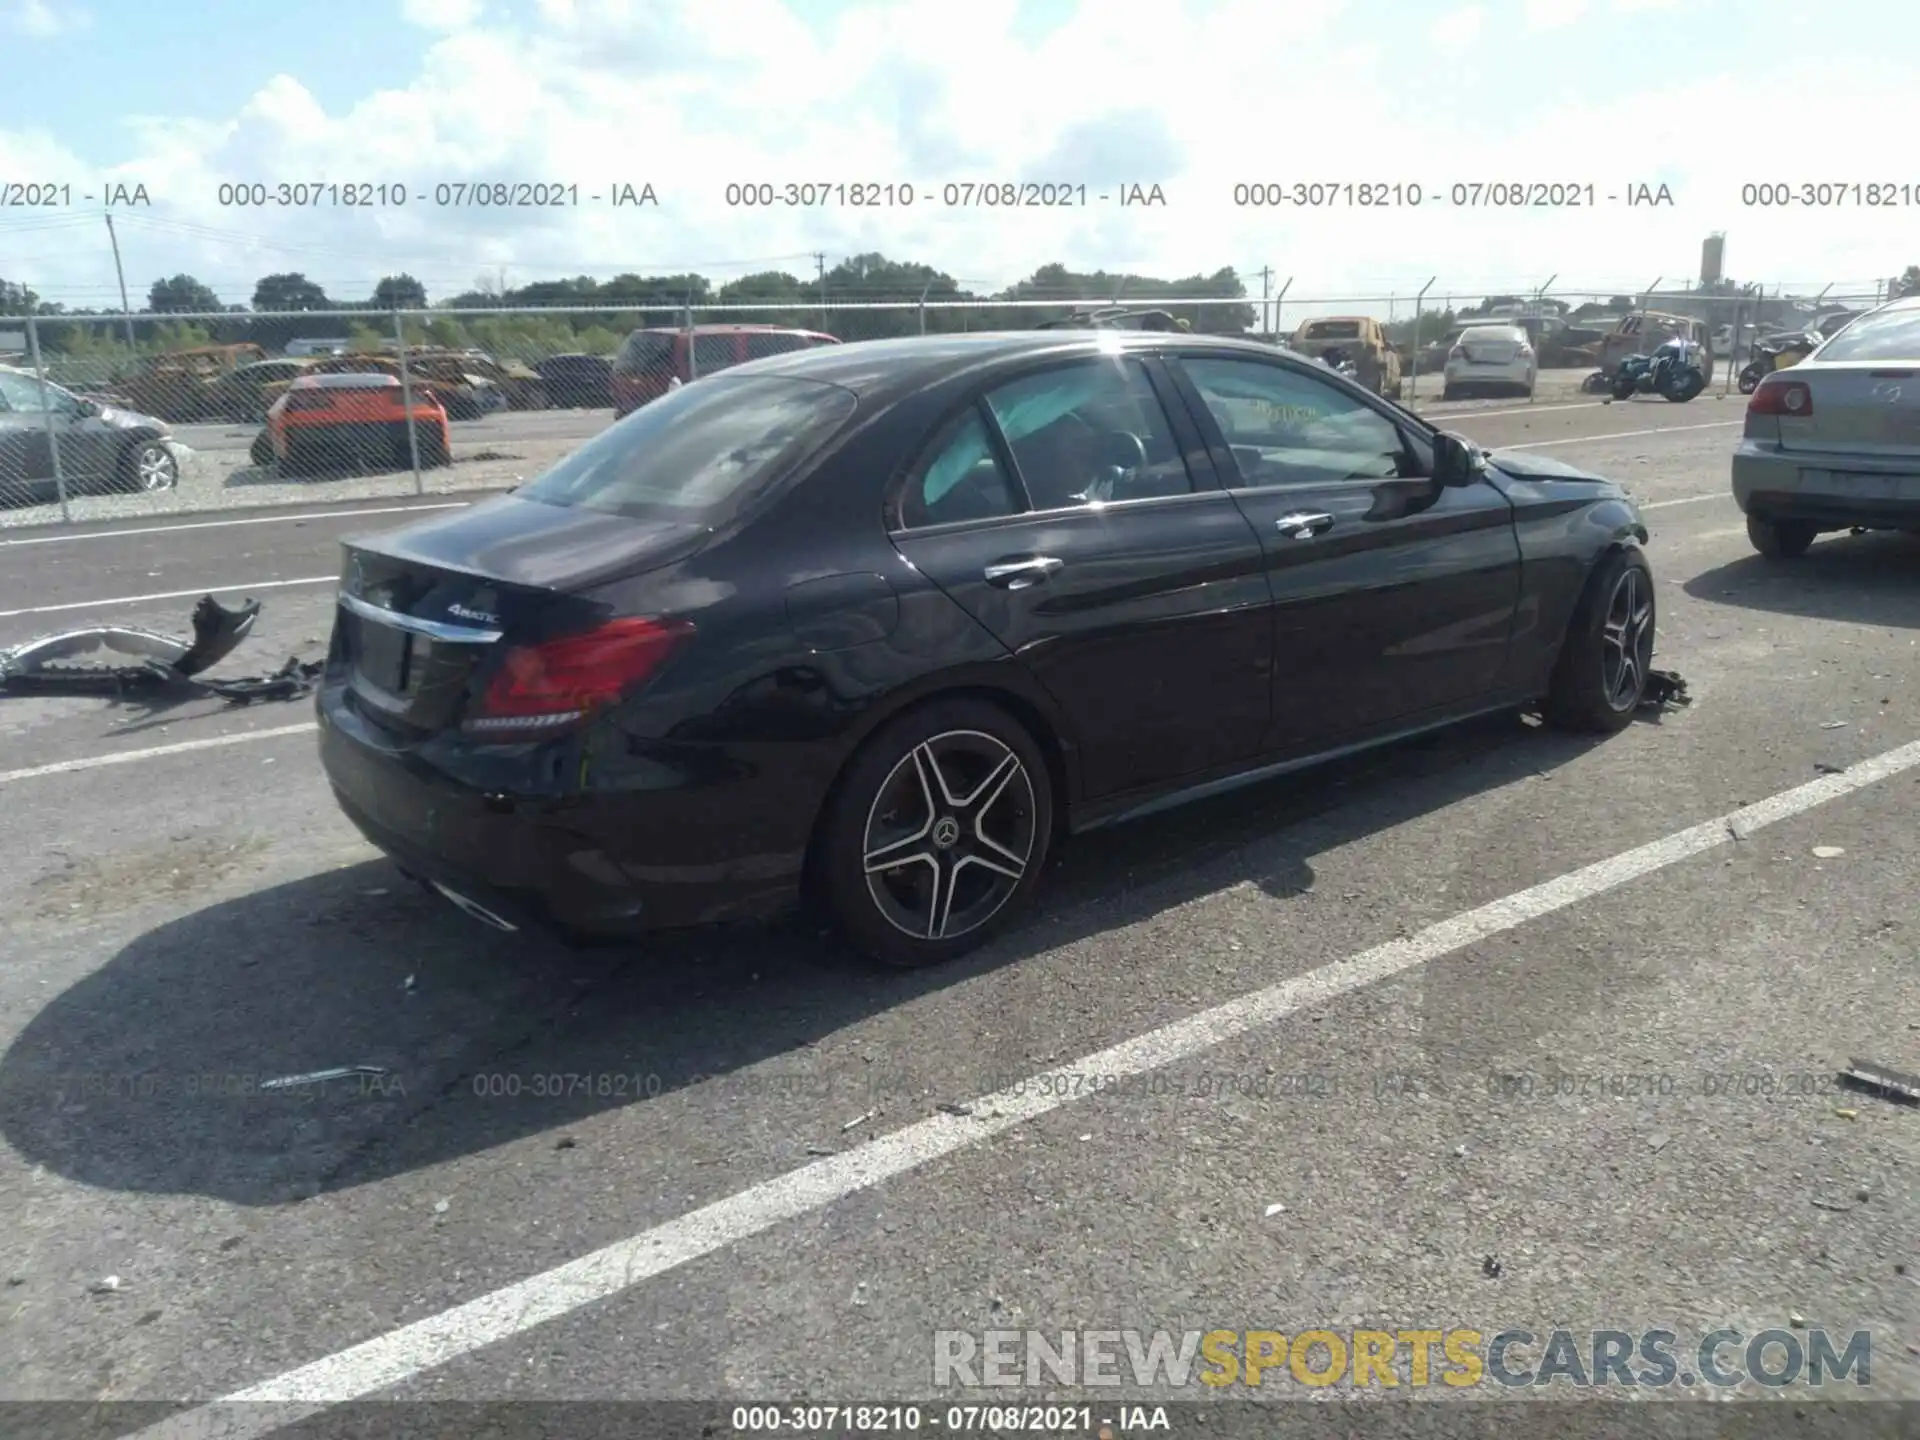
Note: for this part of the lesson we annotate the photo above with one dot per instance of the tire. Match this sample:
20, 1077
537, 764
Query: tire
1449, 392
1781, 539
1689, 386
1591, 691
894, 798
1749, 382
149, 467
433, 448
261, 453
1623, 387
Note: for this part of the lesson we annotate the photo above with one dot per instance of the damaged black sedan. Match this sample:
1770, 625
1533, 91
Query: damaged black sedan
878, 625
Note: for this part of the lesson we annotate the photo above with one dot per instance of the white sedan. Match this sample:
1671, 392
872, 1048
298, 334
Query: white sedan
1490, 358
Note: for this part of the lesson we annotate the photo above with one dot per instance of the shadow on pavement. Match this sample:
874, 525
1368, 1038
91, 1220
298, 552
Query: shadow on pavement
1869, 579
144, 1076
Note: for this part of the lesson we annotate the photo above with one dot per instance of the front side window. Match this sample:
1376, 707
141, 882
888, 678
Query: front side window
1286, 427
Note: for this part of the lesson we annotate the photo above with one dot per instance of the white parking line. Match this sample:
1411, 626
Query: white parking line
1624, 435
174, 595
222, 524
1521, 410
401, 1354
154, 752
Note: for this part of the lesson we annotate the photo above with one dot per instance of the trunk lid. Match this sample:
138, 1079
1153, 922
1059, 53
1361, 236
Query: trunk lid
1867, 408
424, 610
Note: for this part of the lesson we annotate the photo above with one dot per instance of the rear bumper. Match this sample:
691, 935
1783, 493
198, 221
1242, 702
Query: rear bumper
1465, 375
593, 865
1835, 491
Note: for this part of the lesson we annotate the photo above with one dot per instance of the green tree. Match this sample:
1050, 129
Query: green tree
1909, 283
400, 292
291, 291
182, 295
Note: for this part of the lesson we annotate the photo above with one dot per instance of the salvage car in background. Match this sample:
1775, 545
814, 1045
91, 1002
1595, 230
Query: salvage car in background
651, 360
100, 447
1497, 358
352, 420
1833, 443
245, 394
1361, 339
180, 386
578, 382
876, 625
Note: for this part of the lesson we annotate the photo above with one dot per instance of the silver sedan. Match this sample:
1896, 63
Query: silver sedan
1833, 443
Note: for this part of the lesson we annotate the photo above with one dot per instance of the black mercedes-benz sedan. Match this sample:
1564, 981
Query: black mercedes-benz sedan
877, 625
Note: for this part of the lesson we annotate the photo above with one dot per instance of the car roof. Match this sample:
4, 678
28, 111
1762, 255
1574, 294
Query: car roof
883, 368
351, 380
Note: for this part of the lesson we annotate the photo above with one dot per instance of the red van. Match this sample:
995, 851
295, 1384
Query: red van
651, 359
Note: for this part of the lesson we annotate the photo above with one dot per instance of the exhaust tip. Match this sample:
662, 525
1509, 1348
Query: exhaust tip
474, 908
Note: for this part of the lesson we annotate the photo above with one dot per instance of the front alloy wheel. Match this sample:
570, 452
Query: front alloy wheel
1626, 640
1607, 655
937, 833
151, 467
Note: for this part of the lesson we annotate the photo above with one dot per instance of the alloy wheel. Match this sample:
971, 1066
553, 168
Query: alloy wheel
1626, 640
154, 468
950, 835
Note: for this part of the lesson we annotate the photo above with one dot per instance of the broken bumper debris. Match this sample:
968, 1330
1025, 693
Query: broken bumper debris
162, 664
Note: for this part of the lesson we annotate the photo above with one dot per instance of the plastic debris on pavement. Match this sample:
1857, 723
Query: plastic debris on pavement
163, 665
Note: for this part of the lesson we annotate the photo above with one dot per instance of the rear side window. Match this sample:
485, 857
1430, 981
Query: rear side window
714, 352
644, 350
700, 448
1889, 335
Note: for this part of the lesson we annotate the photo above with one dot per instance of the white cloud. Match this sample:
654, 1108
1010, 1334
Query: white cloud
1553, 14
441, 14
689, 95
41, 20
1459, 29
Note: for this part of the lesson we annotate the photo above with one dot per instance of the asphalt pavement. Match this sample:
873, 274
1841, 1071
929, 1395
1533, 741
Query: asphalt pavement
1500, 1029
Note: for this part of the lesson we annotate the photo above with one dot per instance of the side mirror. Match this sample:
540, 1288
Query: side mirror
1456, 459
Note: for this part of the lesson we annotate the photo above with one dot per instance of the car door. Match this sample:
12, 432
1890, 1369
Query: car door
26, 461
1065, 512
1394, 598
84, 456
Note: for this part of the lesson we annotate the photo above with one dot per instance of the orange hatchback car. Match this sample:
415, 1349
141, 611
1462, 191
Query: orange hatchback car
354, 421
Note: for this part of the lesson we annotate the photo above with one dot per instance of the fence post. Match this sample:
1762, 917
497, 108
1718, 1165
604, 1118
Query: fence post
693, 350
46, 416
406, 399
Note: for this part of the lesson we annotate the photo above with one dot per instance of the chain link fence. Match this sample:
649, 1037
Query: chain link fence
104, 417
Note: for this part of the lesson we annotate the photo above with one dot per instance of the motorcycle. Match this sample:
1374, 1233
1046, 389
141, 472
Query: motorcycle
1776, 352
1340, 363
1670, 372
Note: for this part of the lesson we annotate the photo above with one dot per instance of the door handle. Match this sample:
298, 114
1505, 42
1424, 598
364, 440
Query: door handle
1304, 524
1019, 574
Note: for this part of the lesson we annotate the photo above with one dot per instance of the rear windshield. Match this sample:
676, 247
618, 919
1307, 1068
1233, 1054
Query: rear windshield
698, 448
1890, 335
1334, 330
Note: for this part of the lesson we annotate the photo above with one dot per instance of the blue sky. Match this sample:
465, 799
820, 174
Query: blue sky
1200, 92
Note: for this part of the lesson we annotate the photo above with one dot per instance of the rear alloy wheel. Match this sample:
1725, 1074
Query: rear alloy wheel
150, 467
938, 833
1781, 539
1607, 655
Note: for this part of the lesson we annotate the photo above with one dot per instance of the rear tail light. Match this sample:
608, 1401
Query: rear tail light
1458, 352
549, 686
1778, 396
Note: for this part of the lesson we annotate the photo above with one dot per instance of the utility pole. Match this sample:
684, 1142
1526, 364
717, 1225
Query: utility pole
820, 269
126, 309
